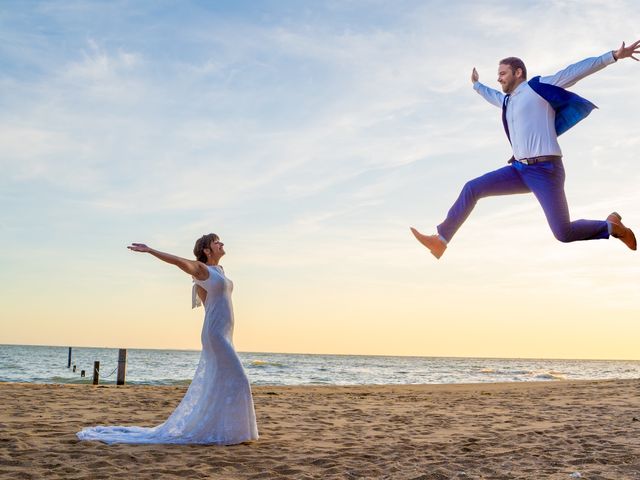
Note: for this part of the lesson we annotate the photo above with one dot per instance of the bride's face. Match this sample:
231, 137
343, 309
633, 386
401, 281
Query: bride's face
217, 248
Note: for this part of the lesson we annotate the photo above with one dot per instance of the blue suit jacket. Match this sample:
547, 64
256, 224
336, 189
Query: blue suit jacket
570, 108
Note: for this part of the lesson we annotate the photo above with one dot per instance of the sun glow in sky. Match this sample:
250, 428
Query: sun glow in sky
309, 136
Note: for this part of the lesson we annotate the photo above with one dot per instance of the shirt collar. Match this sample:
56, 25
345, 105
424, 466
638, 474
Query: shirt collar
519, 88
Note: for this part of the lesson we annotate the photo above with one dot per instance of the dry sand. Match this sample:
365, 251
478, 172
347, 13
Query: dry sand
492, 431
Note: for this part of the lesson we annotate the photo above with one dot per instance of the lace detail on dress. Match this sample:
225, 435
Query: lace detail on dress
218, 407
195, 299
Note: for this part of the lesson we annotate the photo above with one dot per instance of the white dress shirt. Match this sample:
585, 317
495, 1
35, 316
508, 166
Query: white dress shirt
530, 118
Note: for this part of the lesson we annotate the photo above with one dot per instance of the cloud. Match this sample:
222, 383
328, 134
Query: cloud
315, 120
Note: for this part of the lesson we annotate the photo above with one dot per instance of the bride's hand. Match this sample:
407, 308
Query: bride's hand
139, 247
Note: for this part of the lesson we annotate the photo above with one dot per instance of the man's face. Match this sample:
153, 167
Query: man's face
507, 78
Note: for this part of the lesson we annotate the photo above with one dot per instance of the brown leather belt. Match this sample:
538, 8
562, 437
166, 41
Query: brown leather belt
534, 160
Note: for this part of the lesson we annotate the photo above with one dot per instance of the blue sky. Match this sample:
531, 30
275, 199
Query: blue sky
309, 135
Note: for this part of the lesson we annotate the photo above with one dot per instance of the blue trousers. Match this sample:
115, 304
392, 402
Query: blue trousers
545, 180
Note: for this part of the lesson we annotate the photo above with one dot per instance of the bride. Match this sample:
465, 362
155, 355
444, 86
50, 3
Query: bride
218, 407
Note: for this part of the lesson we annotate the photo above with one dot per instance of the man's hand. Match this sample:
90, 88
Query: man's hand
624, 52
475, 77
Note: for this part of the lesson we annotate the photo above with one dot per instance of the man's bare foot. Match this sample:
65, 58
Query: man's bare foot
433, 242
619, 231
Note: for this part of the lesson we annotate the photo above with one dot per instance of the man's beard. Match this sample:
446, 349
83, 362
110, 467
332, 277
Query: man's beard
508, 87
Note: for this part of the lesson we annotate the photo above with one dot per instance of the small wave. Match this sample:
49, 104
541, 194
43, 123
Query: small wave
265, 363
56, 379
13, 367
162, 382
504, 372
549, 376
103, 381
321, 381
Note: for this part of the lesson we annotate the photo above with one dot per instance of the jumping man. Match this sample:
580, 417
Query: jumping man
534, 113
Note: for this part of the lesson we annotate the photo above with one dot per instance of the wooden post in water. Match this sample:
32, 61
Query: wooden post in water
96, 372
122, 366
69, 362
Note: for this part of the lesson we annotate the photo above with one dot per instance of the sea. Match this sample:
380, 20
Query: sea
43, 364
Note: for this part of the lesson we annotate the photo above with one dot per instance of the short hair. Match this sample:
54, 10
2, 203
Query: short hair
515, 63
202, 243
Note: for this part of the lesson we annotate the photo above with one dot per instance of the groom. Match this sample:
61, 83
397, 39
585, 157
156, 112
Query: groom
534, 113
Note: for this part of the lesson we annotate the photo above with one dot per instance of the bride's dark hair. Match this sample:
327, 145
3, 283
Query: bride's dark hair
202, 243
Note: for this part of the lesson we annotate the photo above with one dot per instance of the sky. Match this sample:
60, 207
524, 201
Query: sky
309, 135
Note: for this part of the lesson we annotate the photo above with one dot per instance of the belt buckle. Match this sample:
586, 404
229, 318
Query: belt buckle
526, 161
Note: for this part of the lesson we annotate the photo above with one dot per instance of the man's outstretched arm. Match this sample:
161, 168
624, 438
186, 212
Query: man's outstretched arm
494, 97
573, 73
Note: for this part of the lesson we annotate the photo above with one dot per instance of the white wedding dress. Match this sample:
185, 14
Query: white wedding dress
218, 407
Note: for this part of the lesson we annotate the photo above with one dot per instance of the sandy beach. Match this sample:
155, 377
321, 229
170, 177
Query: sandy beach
555, 430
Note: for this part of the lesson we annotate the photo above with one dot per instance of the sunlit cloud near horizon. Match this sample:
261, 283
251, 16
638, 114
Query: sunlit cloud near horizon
309, 136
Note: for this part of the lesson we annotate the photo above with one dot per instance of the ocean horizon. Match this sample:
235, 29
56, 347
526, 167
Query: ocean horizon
48, 364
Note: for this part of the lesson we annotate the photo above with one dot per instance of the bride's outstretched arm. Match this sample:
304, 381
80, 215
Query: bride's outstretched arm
192, 267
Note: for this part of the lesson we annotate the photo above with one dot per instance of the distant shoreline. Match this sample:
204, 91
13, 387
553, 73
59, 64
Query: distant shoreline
381, 355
